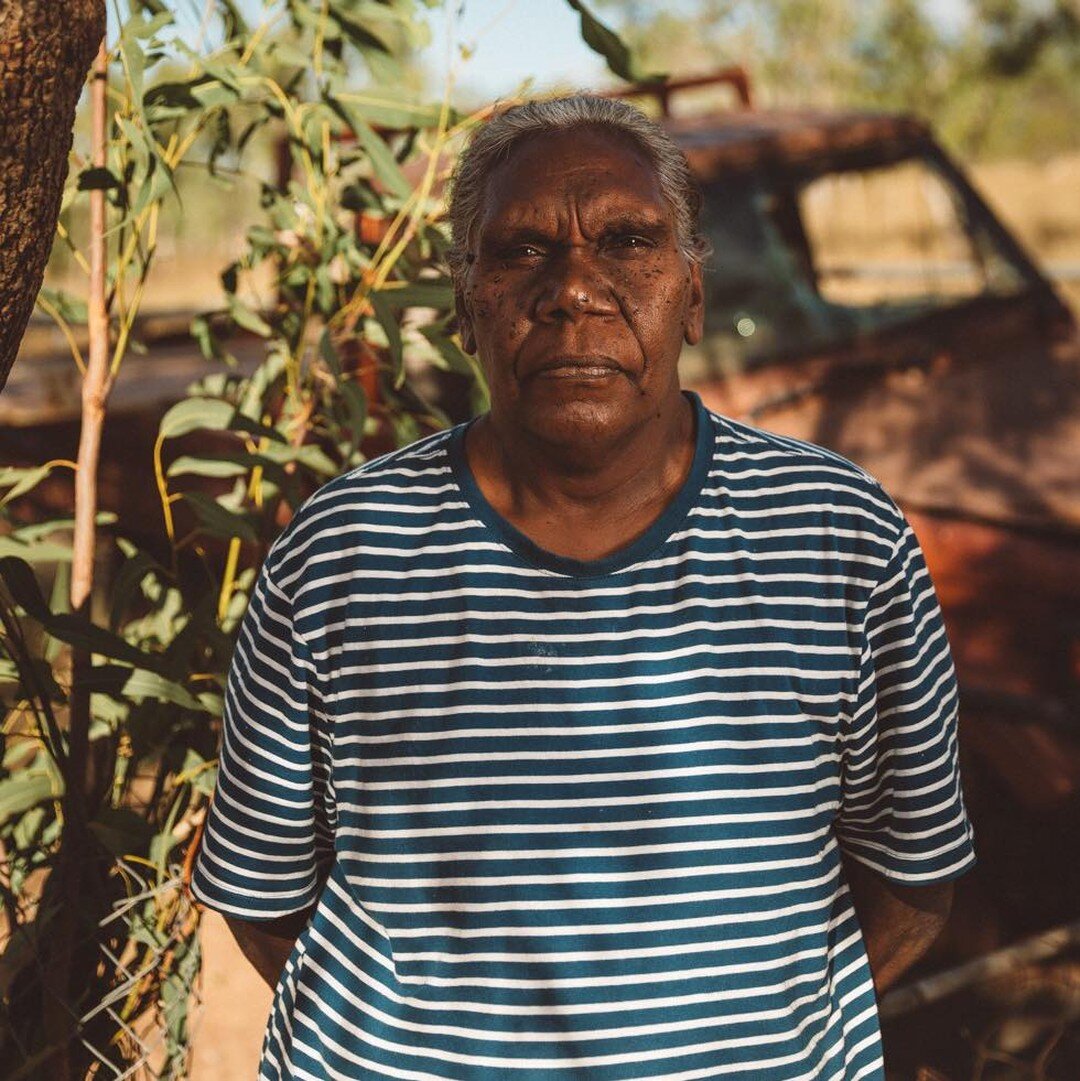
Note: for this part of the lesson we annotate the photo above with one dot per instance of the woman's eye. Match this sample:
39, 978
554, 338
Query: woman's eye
522, 251
630, 241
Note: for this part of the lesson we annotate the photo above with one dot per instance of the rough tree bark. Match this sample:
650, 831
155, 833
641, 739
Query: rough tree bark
45, 50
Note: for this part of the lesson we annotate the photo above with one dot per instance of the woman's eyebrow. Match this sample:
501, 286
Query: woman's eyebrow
513, 234
653, 228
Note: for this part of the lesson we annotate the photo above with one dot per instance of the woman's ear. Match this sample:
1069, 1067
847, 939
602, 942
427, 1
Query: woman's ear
695, 307
464, 322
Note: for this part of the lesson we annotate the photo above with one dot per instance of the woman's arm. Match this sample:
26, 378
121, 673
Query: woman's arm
899, 923
268, 943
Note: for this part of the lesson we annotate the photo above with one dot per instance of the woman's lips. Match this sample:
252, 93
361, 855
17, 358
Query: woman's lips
579, 368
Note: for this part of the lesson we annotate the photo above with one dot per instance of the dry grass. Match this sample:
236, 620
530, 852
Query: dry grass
1040, 204
898, 229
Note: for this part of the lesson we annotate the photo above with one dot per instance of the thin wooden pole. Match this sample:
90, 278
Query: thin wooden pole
97, 383
74, 867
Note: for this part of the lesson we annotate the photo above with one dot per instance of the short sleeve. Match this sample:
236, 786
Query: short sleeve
267, 839
902, 810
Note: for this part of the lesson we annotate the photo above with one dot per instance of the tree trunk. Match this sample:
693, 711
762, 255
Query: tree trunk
45, 50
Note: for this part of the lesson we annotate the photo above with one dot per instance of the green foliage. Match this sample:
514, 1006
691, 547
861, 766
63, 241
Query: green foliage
270, 434
353, 244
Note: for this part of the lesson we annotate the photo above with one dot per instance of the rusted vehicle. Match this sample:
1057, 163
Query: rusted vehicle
863, 296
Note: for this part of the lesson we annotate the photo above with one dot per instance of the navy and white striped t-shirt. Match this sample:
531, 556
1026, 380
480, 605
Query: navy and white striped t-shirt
569, 819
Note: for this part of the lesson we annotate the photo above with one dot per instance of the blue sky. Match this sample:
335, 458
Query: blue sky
513, 39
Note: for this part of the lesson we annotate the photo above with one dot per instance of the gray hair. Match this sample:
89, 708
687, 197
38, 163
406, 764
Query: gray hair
493, 142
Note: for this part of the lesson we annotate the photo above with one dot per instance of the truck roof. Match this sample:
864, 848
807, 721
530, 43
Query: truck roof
743, 139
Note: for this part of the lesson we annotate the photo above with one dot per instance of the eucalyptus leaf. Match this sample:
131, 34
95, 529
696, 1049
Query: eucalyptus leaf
122, 832
70, 308
222, 139
421, 294
386, 314
127, 585
208, 342
249, 319
313, 17
35, 552
205, 467
352, 401
287, 53
32, 532
27, 788
21, 480
195, 413
219, 521
133, 56
307, 454
141, 685
98, 178
142, 28
235, 23
604, 41
363, 34
383, 163
199, 772
241, 423
385, 112
71, 628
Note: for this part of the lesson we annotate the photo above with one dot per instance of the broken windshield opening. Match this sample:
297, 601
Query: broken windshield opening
802, 264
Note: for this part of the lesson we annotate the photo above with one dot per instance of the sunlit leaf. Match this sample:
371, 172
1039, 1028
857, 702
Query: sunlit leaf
384, 112
249, 319
604, 41
35, 551
25, 789
21, 480
194, 413
383, 163
141, 684
205, 467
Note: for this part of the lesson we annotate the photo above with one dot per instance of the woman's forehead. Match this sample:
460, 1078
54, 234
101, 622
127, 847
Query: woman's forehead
588, 169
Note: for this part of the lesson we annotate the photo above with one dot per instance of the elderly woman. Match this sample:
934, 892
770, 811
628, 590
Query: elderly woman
602, 736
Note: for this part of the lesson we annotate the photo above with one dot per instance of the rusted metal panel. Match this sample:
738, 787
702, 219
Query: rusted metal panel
984, 430
795, 141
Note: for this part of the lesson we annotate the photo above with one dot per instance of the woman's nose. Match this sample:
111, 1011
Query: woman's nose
573, 286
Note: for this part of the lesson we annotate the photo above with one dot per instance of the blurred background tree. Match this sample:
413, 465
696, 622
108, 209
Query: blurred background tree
998, 78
